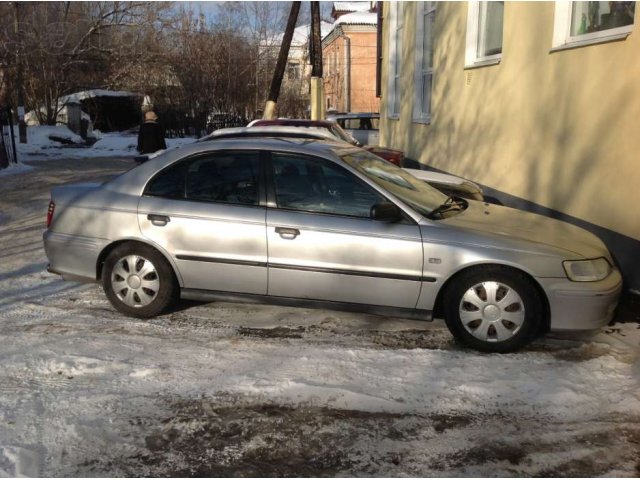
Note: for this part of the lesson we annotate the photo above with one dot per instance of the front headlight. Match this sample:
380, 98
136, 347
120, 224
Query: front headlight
587, 270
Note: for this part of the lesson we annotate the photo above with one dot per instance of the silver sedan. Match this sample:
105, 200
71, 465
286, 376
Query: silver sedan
319, 223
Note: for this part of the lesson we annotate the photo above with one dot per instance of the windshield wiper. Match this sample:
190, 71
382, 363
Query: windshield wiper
451, 203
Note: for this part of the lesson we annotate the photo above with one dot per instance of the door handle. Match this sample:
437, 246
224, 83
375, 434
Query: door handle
288, 233
158, 220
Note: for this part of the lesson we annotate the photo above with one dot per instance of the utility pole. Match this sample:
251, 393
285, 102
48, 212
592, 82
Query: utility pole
317, 87
22, 127
276, 82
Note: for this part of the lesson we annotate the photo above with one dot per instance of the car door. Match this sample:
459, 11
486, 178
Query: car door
323, 245
208, 212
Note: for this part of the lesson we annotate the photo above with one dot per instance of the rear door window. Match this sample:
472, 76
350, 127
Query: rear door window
220, 177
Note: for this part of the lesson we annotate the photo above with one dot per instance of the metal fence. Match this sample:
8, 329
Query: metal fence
8, 153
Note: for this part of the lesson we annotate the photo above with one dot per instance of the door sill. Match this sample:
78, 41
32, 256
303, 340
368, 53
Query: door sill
381, 310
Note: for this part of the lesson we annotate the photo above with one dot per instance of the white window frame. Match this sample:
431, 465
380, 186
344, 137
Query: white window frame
562, 38
471, 58
396, 30
420, 113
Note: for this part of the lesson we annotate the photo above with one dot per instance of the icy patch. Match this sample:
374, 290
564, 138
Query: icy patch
143, 373
13, 169
621, 336
19, 462
75, 366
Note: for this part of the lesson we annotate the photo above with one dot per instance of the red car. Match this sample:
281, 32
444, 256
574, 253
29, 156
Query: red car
394, 156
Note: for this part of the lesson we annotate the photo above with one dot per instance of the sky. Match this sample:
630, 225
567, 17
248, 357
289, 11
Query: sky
210, 9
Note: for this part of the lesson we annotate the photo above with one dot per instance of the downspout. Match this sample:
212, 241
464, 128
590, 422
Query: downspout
347, 73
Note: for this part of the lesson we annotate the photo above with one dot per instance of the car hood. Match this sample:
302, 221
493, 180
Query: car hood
516, 229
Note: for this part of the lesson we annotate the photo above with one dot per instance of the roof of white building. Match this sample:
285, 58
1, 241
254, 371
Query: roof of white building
352, 6
305, 31
301, 34
86, 94
358, 18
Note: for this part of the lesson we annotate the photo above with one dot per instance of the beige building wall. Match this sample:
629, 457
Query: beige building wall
558, 129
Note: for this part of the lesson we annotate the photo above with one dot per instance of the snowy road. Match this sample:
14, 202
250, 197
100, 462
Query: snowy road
248, 390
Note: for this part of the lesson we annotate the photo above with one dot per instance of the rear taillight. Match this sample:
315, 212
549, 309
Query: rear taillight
52, 207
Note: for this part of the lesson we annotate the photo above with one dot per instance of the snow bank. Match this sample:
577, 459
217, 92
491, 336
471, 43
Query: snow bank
43, 136
13, 169
41, 145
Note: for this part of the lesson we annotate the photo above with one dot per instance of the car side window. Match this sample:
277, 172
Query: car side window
315, 185
363, 123
226, 177
221, 177
169, 183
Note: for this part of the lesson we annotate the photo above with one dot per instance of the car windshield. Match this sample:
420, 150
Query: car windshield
415, 193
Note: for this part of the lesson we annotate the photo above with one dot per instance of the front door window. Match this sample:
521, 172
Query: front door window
318, 186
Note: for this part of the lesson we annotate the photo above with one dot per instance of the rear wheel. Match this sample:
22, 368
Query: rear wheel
138, 281
493, 309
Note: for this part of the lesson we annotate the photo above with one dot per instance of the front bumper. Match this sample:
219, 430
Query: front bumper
582, 305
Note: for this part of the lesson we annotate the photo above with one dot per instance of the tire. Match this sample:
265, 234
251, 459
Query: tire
493, 309
138, 281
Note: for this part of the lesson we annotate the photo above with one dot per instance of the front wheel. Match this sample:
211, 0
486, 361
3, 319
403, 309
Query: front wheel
493, 309
138, 281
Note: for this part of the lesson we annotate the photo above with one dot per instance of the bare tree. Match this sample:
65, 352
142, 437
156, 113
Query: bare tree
63, 46
261, 23
193, 66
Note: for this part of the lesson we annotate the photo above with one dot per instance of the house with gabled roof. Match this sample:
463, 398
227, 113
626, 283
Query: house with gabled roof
349, 58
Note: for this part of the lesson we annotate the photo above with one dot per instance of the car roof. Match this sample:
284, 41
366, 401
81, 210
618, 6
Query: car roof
294, 122
269, 130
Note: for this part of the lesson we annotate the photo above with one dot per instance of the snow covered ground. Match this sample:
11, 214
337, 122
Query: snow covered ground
225, 389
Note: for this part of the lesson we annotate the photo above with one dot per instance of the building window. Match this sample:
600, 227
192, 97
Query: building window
396, 27
578, 23
293, 71
425, 21
484, 33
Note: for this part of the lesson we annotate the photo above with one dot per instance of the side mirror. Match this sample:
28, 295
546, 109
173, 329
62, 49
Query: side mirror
386, 212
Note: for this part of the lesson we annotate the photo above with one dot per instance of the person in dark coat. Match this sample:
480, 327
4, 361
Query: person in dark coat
151, 136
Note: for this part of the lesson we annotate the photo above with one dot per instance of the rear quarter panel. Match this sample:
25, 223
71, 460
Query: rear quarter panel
84, 223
